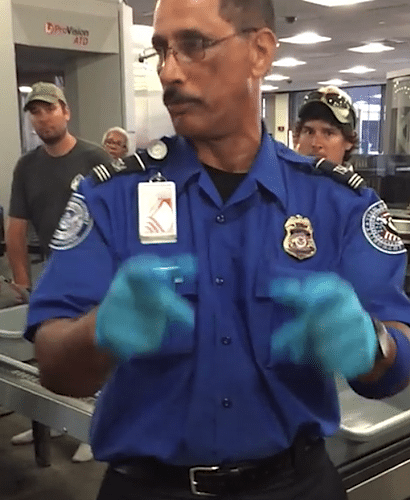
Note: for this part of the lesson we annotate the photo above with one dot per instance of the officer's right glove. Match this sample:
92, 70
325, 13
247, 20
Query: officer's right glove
139, 304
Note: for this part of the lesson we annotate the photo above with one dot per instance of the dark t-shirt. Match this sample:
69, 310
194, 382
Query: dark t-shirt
226, 183
42, 185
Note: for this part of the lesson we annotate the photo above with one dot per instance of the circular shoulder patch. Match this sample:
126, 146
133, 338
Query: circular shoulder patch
380, 231
74, 225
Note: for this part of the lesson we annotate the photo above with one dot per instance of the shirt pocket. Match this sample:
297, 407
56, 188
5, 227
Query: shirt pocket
268, 315
180, 338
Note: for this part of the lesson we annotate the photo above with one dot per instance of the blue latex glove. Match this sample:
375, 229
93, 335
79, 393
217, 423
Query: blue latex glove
331, 330
141, 300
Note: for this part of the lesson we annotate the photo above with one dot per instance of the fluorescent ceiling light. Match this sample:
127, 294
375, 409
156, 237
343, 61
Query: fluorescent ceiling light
305, 38
358, 70
377, 96
372, 48
334, 81
275, 77
266, 88
336, 3
25, 89
288, 62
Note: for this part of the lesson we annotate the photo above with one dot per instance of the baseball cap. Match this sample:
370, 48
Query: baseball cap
46, 92
338, 101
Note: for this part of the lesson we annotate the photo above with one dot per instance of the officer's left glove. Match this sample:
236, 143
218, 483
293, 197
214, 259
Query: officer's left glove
140, 302
330, 330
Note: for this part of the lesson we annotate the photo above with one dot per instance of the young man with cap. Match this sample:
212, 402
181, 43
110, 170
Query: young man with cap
43, 180
326, 125
218, 378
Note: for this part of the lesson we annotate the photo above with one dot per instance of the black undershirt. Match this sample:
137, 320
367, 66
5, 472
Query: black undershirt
226, 183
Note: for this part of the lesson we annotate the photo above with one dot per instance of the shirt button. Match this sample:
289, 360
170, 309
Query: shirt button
220, 219
226, 340
219, 281
226, 403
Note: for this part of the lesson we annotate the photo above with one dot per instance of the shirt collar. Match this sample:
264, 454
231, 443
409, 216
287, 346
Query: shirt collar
269, 166
182, 162
267, 169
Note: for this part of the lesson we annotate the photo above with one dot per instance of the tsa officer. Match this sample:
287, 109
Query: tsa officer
214, 295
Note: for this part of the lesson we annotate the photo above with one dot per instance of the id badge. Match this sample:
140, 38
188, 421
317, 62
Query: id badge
157, 213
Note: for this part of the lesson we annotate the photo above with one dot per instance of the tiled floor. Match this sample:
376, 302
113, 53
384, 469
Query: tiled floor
22, 479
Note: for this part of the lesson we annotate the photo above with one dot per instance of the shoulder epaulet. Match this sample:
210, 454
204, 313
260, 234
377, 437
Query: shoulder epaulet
138, 162
340, 173
102, 173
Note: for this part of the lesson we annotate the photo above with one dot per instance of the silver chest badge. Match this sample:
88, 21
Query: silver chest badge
299, 242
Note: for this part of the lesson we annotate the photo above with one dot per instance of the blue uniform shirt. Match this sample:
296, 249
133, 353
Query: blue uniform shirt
217, 394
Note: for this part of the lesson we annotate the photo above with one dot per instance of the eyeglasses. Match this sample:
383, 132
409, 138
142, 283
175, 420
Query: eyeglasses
112, 142
187, 49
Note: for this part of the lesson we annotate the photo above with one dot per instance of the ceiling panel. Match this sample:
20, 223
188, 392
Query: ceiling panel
347, 26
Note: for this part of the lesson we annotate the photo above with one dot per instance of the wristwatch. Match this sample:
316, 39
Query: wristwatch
382, 338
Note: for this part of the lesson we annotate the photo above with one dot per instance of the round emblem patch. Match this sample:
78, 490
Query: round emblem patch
74, 225
380, 231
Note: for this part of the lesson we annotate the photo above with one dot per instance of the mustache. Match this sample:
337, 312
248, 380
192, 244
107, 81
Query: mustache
173, 95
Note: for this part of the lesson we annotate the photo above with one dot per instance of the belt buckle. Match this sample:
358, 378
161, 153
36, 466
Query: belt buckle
193, 482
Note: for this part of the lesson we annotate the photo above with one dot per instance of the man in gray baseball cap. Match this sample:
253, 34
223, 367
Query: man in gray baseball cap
43, 181
45, 92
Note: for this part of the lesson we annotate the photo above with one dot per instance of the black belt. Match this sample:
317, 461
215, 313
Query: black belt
217, 480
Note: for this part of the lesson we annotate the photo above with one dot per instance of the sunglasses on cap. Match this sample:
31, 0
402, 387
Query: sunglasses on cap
340, 106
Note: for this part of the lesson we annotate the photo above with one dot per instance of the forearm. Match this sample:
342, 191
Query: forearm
391, 374
20, 267
69, 361
17, 254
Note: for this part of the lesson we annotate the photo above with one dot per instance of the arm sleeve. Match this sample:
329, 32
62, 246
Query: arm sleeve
77, 274
377, 273
99, 155
18, 200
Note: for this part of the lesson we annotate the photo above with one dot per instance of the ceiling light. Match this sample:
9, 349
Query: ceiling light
377, 96
288, 62
336, 3
305, 38
372, 48
267, 88
275, 77
334, 81
358, 70
25, 89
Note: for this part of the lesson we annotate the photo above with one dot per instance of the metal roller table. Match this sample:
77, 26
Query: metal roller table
20, 389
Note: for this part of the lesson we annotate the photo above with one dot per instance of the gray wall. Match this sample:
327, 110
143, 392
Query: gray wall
93, 90
10, 130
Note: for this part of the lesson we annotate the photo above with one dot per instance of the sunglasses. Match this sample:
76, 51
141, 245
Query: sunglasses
331, 98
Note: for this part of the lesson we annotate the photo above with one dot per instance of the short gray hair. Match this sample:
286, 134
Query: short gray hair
120, 131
